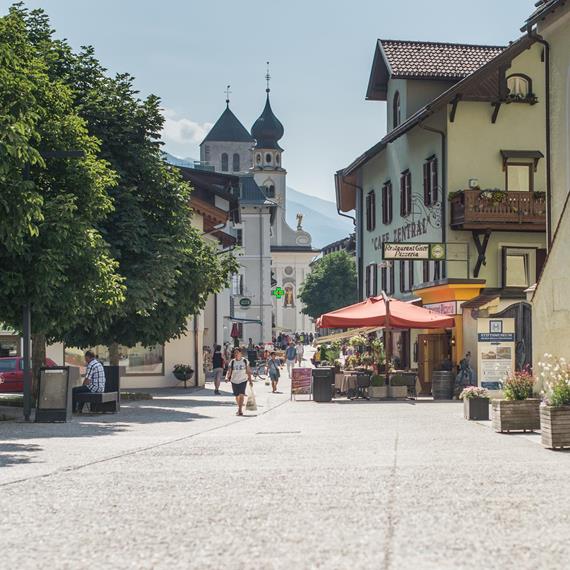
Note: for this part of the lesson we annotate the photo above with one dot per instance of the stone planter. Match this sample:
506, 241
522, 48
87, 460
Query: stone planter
476, 408
378, 392
516, 415
555, 426
397, 391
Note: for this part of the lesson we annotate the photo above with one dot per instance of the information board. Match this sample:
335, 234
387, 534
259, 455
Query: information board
496, 350
301, 381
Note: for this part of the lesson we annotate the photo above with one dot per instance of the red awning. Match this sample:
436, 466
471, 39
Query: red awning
372, 312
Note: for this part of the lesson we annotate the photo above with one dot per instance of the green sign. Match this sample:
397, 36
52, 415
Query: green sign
245, 302
278, 292
426, 251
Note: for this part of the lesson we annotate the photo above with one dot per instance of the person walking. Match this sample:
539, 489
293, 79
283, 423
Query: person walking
239, 374
273, 369
94, 380
217, 367
300, 351
290, 356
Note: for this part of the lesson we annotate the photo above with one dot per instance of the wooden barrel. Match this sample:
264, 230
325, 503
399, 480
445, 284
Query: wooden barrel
442, 384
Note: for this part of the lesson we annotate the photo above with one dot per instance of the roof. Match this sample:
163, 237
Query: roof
250, 192
228, 129
267, 130
543, 9
441, 61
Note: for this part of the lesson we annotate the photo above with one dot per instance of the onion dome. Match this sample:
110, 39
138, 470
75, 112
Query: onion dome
267, 130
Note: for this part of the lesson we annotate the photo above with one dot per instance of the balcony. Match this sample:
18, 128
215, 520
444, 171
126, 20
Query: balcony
498, 210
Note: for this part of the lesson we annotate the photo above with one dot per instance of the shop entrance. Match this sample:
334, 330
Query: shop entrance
433, 350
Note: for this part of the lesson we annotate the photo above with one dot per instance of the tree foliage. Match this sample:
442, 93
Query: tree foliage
332, 284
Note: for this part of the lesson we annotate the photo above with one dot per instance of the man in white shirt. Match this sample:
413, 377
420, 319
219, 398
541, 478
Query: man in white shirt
94, 380
239, 373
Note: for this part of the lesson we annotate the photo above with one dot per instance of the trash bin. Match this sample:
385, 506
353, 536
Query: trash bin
323, 382
54, 393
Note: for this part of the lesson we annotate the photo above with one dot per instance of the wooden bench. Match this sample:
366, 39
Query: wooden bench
110, 399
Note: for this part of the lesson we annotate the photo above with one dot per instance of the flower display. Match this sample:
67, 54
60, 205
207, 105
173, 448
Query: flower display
555, 375
519, 385
473, 392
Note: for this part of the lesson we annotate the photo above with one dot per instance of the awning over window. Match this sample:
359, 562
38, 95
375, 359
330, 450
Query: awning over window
534, 155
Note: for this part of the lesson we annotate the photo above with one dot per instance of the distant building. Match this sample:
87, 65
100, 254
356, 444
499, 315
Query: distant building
347, 244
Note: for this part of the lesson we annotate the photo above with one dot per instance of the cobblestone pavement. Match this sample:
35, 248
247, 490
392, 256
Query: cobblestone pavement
181, 482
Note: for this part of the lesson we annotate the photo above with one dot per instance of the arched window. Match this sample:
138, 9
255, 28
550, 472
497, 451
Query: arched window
225, 166
268, 158
277, 159
519, 85
258, 159
396, 111
270, 191
235, 165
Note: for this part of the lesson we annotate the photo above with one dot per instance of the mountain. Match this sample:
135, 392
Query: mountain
177, 161
320, 217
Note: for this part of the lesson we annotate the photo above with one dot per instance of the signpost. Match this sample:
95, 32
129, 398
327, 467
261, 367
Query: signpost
301, 382
426, 251
495, 350
245, 302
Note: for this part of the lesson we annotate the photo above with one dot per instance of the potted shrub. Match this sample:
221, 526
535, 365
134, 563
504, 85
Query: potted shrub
475, 403
183, 373
378, 388
555, 408
519, 410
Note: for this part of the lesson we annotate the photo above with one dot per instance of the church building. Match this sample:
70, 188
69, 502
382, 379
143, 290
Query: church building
274, 258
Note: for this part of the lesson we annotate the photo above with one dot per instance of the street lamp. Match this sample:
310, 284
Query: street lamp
27, 310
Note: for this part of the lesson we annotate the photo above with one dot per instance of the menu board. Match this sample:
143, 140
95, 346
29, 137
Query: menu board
496, 350
301, 381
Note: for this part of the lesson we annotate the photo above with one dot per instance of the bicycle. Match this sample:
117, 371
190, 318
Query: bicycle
260, 370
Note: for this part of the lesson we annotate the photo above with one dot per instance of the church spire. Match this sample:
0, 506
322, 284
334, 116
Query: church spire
267, 78
267, 130
228, 92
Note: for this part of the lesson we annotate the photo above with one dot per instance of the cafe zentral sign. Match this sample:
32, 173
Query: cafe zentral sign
426, 251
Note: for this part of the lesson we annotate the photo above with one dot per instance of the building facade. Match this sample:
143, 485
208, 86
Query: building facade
421, 184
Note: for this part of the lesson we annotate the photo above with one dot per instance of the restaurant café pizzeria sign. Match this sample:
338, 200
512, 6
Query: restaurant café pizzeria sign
424, 251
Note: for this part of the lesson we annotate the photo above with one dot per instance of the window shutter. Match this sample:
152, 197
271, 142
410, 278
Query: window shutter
410, 275
391, 285
384, 282
372, 210
434, 182
403, 195
402, 276
408, 192
389, 213
384, 187
427, 192
375, 279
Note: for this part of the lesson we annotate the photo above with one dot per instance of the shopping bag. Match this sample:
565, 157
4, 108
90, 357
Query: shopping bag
251, 405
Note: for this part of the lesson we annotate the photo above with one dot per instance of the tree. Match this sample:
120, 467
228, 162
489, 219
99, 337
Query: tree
332, 284
168, 268
52, 256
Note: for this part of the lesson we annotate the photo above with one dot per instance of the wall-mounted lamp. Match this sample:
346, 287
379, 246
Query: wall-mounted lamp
453, 341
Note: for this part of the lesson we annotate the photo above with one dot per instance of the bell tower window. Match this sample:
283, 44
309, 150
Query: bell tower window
277, 159
225, 162
268, 158
235, 162
258, 159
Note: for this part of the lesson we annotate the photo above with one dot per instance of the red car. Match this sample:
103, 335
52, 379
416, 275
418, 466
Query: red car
12, 373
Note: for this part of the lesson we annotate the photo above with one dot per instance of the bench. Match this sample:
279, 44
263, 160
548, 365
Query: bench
109, 400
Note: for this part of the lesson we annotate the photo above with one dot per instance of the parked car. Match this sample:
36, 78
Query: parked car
12, 372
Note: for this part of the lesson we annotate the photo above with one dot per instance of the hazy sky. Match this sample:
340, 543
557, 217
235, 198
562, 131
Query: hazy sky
187, 51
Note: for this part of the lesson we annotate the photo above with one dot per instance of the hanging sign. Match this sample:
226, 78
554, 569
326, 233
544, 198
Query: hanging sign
301, 381
427, 251
496, 350
245, 302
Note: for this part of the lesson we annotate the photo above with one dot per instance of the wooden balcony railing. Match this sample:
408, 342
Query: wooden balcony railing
517, 211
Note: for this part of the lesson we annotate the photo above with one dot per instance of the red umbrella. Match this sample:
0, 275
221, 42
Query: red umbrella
394, 314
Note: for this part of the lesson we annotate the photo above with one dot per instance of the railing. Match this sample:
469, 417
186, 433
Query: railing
470, 210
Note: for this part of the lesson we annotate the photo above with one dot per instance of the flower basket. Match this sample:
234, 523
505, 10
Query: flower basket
555, 426
516, 415
183, 373
476, 408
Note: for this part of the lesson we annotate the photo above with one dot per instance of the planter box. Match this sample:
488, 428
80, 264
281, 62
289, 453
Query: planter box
523, 415
378, 392
476, 408
397, 391
555, 426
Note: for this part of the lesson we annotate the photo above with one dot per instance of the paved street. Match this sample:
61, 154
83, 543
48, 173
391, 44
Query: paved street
181, 482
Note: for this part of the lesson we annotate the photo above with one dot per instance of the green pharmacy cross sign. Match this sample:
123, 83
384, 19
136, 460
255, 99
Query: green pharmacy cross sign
278, 292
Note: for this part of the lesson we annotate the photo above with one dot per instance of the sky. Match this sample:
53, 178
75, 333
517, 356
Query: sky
320, 53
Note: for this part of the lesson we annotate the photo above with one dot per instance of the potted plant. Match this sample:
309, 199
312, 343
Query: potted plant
378, 388
183, 373
519, 410
555, 408
475, 403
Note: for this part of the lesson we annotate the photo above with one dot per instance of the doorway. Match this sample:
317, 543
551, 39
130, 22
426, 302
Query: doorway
433, 350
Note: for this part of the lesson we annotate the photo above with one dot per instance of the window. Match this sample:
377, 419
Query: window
516, 267
258, 159
406, 193
270, 191
371, 280
437, 270
268, 158
411, 279
237, 284
519, 85
406, 276
431, 271
277, 159
235, 162
519, 177
225, 166
425, 271
431, 193
387, 278
396, 111
371, 211
387, 203
239, 237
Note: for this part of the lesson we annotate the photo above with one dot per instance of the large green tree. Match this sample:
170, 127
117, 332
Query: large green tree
168, 268
52, 254
332, 284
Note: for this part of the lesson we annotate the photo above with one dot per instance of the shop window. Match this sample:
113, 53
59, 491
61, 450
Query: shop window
371, 211
387, 203
136, 360
430, 182
519, 177
406, 193
225, 163
396, 110
235, 162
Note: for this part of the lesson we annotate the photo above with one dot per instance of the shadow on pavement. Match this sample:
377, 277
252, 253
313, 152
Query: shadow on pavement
13, 453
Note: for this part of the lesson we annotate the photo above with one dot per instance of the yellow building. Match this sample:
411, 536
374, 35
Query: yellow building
551, 300
463, 164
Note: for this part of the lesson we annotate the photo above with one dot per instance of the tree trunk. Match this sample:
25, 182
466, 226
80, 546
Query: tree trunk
114, 354
38, 360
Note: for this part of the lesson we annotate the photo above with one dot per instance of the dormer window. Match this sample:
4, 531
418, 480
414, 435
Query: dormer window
396, 111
